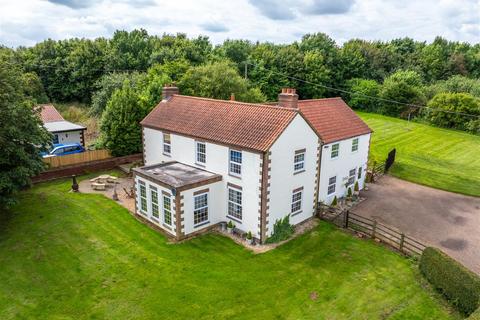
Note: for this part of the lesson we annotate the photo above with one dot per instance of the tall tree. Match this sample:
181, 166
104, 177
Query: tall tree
22, 136
107, 84
129, 50
120, 125
404, 87
218, 80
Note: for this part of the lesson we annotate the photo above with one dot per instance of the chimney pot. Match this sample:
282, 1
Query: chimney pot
168, 91
232, 96
288, 98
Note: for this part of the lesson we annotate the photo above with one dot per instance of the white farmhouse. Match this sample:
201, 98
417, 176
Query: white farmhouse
209, 161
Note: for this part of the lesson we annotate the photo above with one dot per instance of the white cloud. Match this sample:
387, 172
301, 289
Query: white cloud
29, 21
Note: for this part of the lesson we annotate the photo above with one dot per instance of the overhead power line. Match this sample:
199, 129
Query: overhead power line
364, 95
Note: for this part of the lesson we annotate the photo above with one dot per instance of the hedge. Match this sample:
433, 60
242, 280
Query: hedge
458, 284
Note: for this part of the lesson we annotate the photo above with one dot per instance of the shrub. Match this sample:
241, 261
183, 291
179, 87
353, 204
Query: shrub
249, 235
334, 202
282, 230
349, 192
230, 224
356, 188
459, 285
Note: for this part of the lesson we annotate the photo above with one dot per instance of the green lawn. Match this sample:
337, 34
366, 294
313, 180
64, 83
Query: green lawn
441, 158
77, 256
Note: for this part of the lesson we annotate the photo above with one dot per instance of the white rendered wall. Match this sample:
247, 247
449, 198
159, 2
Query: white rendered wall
283, 181
69, 137
216, 207
341, 166
148, 214
217, 161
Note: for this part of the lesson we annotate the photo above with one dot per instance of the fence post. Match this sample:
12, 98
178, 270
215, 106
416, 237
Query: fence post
402, 240
374, 228
345, 225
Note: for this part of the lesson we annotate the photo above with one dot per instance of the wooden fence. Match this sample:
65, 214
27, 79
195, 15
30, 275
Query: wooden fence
76, 158
373, 229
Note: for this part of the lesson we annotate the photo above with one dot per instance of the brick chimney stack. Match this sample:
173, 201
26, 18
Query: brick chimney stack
169, 90
288, 98
232, 96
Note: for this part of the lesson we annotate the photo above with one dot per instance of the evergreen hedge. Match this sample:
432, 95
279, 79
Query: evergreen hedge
458, 284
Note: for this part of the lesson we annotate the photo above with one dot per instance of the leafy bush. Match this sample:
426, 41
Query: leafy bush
459, 285
249, 235
230, 224
463, 103
282, 230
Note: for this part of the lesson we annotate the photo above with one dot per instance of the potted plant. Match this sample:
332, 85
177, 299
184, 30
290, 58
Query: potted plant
230, 227
356, 189
334, 202
249, 238
349, 193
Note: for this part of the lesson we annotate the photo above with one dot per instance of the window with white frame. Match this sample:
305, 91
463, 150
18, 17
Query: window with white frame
201, 152
355, 145
235, 165
297, 200
167, 146
235, 203
167, 210
351, 177
359, 173
332, 184
200, 213
299, 161
143, 196
154, 196
335, 150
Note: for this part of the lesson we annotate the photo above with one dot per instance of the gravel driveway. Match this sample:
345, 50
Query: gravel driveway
443, 219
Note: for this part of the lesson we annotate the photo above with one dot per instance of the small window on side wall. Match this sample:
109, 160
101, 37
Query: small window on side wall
332, 182
296, 201
299, 161
355, 145
335, 150
167, 146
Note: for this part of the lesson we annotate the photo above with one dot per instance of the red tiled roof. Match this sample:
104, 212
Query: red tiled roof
48, 113
246, 125
333, 119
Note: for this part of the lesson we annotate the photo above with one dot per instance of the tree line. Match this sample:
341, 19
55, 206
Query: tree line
120, 78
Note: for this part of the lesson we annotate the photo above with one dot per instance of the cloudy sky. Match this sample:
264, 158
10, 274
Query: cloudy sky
25, 22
